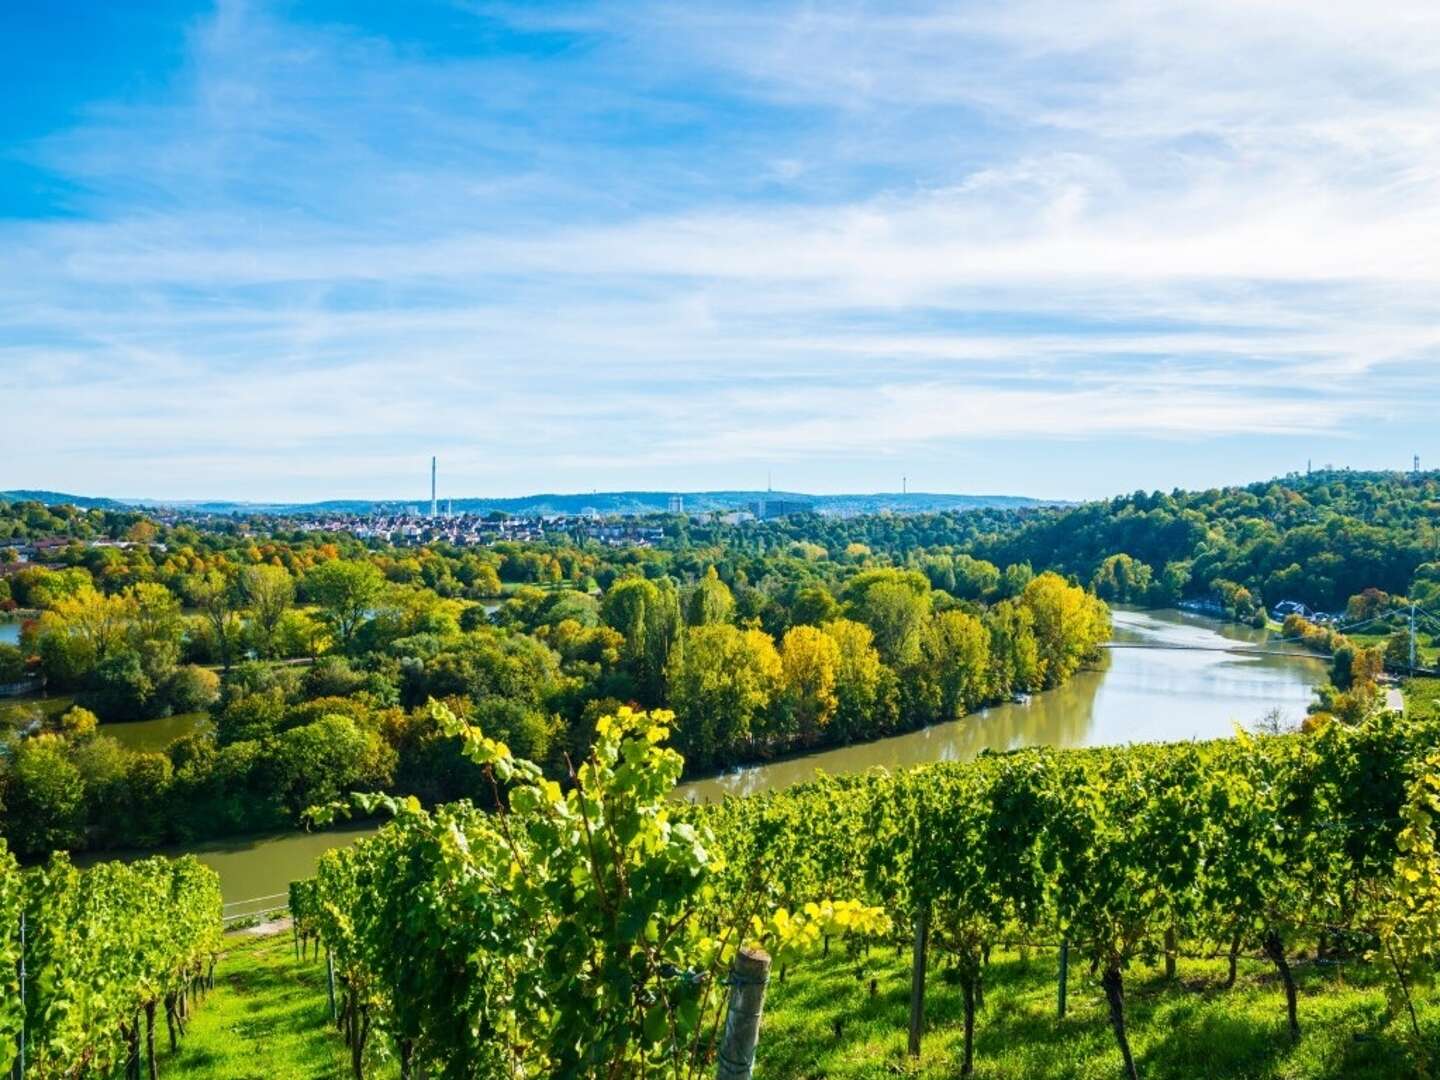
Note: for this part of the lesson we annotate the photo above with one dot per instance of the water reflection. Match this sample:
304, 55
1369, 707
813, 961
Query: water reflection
1133, 695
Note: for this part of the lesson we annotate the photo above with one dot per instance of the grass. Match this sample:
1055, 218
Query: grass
269, 1018
1188, 1028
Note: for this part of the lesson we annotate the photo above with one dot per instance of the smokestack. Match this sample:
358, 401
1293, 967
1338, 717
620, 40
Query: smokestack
434, 506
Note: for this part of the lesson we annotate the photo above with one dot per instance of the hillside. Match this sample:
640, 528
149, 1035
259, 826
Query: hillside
60, 498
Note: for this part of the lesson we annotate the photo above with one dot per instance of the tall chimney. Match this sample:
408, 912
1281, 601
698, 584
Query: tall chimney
434, 506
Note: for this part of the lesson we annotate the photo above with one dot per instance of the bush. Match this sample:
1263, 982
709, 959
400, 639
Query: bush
120, 690
331, 676
192, 688
12, 664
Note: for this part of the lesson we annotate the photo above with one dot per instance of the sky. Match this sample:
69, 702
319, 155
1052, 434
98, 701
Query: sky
289, 249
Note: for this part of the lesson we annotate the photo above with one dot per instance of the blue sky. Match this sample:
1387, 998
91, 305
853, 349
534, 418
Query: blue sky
290, 249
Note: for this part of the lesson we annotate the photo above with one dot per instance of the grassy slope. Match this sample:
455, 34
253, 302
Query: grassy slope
1189, 1028
268, 1019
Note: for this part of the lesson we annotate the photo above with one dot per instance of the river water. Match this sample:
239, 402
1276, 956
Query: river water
1132, 695
1195, 691
10, 631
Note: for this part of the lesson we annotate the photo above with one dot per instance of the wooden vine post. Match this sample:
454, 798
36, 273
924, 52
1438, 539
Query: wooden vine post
917, 978
1064, 982
749, 976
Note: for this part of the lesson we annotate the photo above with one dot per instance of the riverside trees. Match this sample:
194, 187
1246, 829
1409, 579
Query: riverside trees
895, 654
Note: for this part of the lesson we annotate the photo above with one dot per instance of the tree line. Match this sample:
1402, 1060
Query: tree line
883, 652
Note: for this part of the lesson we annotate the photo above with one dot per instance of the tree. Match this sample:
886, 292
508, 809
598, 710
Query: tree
347, 593
268, 591
81, 630
894, 604
1398, 649
955, 663
192, 688
154, 616
45, 798
214, 595
317, 763
1014, 653
809, 661
78, 723
710, 601
722, 684
975, 579
648, 614
864, 688
814, 605
12, 664
120, 689
1070, 624
1122, 579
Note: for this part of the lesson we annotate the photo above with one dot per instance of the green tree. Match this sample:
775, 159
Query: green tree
648, 614
722, 684
44, 798
12, 664
214, 595
347, 592
268, 592
954, 662
894, 604
710, 601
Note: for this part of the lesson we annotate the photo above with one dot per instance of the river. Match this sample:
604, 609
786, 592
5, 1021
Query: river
1133, 695
9, 631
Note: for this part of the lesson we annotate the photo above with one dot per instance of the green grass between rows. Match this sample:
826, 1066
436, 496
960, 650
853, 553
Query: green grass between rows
269, 1019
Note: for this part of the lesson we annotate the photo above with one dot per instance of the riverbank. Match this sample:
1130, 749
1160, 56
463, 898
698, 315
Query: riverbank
1183, 685
1133, 695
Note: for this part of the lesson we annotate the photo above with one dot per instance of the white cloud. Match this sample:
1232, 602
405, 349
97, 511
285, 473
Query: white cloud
925, 226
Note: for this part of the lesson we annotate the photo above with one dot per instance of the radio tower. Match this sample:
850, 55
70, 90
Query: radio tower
434, 505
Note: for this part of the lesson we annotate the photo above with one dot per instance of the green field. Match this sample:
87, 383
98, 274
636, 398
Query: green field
268, 1019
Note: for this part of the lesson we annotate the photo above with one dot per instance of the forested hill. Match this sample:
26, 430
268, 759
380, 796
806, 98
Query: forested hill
60, 498
602, 502
1318, 539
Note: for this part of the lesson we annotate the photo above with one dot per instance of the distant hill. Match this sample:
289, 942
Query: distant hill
602, 502
59, 498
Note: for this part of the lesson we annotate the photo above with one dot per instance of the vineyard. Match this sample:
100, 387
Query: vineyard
597, 930
92, 958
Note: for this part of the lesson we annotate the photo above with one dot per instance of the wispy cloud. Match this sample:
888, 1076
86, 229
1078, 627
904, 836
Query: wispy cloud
647, 244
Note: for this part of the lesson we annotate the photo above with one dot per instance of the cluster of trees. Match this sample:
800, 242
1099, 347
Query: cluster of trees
818, 651
103, 951
889, 653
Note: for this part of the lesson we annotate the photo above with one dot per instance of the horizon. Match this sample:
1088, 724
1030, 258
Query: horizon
280, 250
163, 502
